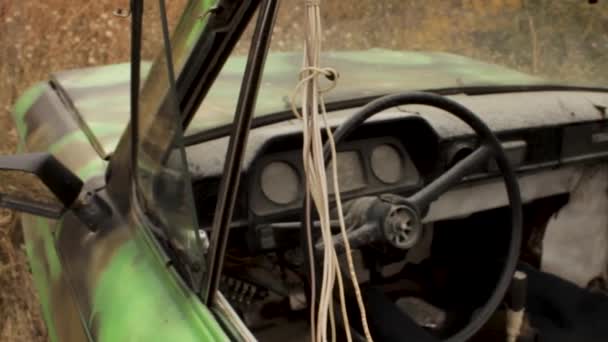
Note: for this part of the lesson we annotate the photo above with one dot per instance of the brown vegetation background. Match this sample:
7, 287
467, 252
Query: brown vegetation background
564, 39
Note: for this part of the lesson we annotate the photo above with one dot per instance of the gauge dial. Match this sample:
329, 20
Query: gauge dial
280, 182
350, 172
387, 163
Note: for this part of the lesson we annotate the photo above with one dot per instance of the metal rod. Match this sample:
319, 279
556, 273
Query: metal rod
236, 147
136, 19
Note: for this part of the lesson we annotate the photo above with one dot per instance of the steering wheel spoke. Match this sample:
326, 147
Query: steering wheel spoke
424, 197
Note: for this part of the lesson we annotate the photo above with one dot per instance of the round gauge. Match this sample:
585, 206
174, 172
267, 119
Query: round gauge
387, 163
280, 182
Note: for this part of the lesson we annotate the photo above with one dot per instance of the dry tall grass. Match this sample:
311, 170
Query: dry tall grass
564, 39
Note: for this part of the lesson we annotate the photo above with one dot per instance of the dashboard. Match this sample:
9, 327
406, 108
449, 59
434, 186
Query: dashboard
364, 166
400, 150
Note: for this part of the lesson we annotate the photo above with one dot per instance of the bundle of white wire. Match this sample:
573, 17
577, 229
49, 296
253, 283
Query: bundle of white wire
313, 110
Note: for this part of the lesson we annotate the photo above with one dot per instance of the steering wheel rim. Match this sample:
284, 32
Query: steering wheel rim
490, 147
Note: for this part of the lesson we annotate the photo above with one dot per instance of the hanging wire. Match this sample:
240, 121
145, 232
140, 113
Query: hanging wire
313, 111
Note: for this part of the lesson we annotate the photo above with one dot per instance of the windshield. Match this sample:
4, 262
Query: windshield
381, 47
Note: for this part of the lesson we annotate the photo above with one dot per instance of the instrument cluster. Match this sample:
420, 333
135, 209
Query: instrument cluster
365, 167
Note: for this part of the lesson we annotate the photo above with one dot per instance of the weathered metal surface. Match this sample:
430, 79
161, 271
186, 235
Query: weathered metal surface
113, 285
100, 97
362, 73
501, 112
101, 94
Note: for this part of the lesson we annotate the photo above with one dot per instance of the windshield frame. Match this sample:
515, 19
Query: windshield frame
200, 45
215, 27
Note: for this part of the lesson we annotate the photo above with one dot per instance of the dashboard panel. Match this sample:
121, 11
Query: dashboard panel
545, 134
364, 166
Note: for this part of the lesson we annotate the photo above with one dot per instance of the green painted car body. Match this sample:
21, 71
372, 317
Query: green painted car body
113, 286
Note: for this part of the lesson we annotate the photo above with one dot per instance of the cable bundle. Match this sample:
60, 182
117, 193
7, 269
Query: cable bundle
313, 110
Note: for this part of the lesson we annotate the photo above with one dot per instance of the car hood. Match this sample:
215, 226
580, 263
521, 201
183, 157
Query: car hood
101, 94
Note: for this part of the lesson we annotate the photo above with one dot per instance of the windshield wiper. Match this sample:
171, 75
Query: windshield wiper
342, 104
499, 89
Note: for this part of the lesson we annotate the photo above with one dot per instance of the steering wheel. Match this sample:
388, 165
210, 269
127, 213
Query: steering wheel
419, 202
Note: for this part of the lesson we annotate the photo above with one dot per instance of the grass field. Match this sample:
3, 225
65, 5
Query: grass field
566, 40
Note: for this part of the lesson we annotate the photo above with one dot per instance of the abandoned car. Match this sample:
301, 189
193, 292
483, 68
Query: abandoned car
201, 193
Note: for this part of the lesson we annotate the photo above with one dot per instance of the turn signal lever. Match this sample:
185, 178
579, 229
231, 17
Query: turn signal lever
386, 218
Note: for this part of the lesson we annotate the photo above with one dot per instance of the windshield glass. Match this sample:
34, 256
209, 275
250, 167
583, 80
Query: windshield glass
381, 47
